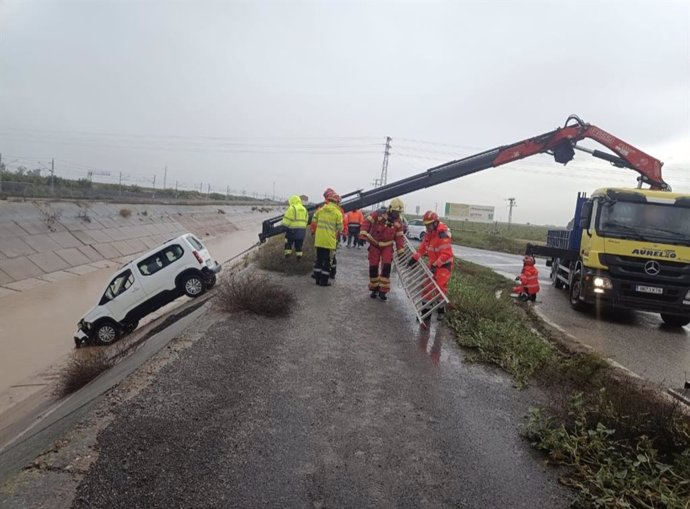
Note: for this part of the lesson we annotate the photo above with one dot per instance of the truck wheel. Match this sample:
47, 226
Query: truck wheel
106, 333
675, 320
193, 285
575, 292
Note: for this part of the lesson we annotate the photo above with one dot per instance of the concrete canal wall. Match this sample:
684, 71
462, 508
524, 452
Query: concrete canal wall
43, 241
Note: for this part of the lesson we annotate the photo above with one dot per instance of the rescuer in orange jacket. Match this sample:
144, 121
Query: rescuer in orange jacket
355, 218
383, 230
527, 283
438, 248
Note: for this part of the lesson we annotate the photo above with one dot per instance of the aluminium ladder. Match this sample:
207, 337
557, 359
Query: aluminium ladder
418, 282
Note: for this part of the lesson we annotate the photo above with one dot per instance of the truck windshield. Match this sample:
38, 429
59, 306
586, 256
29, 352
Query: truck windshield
653, 222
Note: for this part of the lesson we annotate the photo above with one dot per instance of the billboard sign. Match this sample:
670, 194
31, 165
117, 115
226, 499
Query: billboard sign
466, 212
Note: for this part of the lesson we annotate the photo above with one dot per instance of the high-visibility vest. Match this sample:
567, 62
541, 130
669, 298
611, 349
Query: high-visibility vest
329, 224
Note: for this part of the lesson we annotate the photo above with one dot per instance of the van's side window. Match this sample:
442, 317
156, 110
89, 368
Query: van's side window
119, 285
161, 259
195, 242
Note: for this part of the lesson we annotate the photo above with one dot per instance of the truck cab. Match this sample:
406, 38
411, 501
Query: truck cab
629, 249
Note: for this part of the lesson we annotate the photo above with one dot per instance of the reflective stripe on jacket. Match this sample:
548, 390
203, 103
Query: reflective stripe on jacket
329, 223
296, 215
529, 277
380, 231
438, 247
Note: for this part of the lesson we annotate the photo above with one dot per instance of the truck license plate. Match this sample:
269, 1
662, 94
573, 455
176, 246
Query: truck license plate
649, 289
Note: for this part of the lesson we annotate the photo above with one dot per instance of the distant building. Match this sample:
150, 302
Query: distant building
466, 212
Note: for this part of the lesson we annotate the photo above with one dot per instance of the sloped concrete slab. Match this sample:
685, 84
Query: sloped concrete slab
65, 239
116, 234
90, 253
41, 243
124, 247
4, 292
82, 269
5, 278
104, 264
73, 256
99, 236
107, 250
150, 242
49, 261
84, 237
13, 247
138, 245
10, 229
20, 268
58, 275
35, 227
26, 284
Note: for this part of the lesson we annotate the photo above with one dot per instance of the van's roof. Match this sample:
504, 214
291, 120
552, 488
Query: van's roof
148, 253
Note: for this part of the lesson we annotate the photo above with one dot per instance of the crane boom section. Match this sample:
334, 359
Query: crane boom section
560, 142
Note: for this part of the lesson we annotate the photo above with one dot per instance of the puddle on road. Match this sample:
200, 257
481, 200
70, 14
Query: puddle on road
36, 326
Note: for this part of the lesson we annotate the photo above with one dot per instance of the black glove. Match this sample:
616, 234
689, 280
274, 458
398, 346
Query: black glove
433, 269
411, 262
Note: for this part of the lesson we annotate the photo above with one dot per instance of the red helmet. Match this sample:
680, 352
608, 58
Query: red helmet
429, 217
327, 192
528, 260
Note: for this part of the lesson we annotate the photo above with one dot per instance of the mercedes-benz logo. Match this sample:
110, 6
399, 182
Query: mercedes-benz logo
652, 267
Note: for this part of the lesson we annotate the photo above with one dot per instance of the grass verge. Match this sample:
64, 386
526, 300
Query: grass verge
270, 256
256, 293
623, 444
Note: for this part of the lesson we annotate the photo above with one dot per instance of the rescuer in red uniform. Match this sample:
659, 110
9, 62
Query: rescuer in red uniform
384, 232
437, 246
527, 283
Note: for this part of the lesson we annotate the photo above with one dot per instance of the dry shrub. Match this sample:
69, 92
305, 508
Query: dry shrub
270, 256
125, 213
83, 366
256, 293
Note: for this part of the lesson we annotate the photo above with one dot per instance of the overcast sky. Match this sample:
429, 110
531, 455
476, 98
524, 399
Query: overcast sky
302, 95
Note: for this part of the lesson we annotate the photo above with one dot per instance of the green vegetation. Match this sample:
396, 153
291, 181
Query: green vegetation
255, 293
623, 444
270, 256
497, 236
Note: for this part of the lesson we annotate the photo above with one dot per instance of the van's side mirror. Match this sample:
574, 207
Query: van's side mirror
586, 215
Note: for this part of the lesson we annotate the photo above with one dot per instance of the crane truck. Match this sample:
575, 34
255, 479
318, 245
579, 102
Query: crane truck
627, 248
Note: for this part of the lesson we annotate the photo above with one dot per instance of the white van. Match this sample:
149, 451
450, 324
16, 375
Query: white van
181, 266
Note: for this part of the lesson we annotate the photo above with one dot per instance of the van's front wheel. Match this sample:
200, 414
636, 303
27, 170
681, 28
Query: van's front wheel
106, 333
193, 285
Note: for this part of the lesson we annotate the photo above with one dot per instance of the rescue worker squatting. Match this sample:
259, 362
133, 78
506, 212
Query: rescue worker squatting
527, 283
295, 220
382, 230
437, 246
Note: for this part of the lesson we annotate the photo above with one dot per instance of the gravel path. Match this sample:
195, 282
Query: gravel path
329, 408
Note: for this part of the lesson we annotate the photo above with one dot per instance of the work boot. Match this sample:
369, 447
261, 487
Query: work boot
374, 294
383, 296
323, 281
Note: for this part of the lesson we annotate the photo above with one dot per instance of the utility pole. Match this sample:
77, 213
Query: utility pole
120, 183
165, 176
274, 191
1, 170
511, 204
384, 168
227, 192
208, 190
52, 175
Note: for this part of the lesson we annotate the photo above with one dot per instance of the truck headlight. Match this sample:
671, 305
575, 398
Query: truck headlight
602, 282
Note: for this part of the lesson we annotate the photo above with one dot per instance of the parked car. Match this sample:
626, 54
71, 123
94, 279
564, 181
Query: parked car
415, 229
181, 266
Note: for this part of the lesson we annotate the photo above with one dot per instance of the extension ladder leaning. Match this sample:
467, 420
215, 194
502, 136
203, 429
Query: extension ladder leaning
419, 284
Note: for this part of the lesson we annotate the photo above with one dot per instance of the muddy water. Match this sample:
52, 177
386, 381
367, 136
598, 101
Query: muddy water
37, 326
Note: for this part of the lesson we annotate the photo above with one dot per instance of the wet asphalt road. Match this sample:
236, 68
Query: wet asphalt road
345, 404
637, 340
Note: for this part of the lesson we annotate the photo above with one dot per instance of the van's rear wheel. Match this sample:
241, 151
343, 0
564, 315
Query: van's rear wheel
193, 285
675, 320
106, 333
